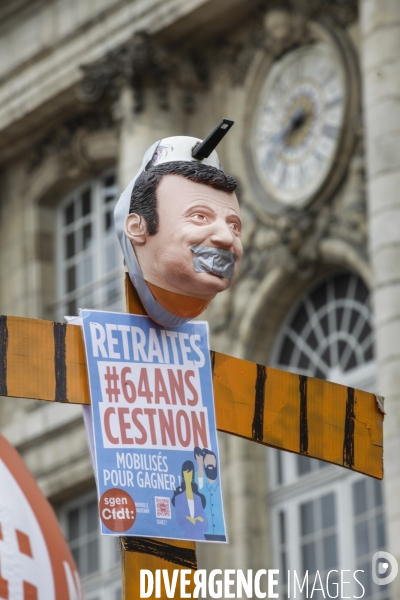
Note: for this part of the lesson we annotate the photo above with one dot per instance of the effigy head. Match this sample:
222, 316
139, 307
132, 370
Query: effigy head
179, 226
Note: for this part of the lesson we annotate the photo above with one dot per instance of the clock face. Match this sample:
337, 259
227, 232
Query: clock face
299, 123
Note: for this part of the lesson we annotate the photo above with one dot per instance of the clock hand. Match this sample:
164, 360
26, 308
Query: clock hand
297, 120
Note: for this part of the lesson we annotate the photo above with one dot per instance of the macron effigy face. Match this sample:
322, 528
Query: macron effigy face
190, 215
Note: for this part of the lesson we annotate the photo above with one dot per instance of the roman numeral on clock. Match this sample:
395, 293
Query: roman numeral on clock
334, 102
331, 131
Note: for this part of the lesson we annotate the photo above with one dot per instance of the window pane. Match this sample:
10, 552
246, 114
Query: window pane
351, 363
71, 279
362, 538
93, 556
328, 511
364, 579
70, 245
377, 493
69, 214
286, 352
308, 557
87, 301
380, 532
108, 221
282, 528
109, 181
86, 202
92, 517
110, 257
332, 585
77, 558
86, 236
304, 361
330, 551
284, 567
279, 467
112, 291
73, 524
306, 518
369, 353
116, 553
87, 270
312, 340
303, 464
359, 497
71, 308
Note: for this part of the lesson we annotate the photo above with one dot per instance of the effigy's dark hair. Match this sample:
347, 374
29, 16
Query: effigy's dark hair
144, 200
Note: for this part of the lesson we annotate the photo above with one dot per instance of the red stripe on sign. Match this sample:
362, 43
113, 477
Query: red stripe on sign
24, 543
30, 591
1, 532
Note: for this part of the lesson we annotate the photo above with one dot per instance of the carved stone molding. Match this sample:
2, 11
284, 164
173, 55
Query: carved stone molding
141, 63
340, 12
276, 27
284, 29
67, 141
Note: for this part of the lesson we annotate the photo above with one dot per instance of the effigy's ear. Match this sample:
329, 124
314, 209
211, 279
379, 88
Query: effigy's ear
135, 229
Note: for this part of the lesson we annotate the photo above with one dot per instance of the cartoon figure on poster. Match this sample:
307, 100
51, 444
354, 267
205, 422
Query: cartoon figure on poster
208, 481
198, 500
150, 378
189, 504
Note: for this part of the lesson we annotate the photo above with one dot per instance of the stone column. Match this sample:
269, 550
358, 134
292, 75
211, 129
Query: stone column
138, 131
380, 48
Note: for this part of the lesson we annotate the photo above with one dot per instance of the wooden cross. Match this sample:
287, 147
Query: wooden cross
316, 418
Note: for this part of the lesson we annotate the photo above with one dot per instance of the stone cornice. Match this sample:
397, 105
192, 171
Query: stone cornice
51, 70
142, 61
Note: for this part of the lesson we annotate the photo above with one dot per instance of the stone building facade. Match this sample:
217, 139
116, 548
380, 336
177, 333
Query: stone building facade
314, 88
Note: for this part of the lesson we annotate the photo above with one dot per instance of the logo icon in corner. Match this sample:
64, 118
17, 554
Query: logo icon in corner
387, 565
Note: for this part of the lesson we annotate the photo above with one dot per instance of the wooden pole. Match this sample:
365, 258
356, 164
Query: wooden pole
146, 553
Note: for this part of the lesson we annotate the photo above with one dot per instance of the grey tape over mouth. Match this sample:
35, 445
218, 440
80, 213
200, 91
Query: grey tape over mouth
214, 260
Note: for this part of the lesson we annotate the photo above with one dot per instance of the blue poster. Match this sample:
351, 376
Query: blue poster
155, 441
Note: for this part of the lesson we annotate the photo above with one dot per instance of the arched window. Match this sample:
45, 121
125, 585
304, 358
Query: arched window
324, 517
329, 333
89, 260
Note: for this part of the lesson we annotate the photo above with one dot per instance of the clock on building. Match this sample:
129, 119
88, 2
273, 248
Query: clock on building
300, 123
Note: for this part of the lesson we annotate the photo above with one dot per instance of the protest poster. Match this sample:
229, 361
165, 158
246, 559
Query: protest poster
155, 441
